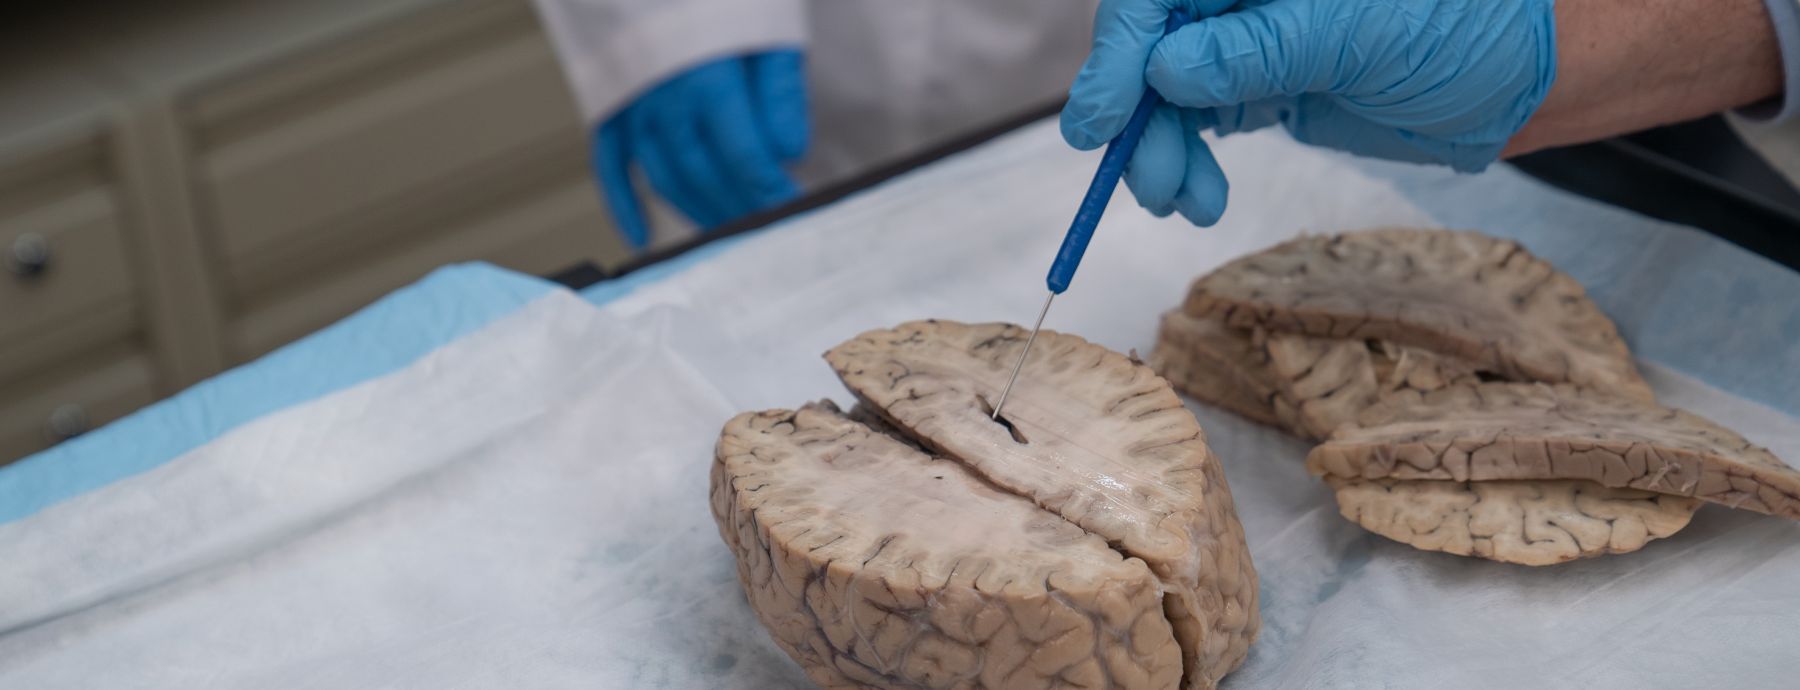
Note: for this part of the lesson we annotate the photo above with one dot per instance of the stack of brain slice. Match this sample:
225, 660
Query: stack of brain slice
1368, 338
1087, 540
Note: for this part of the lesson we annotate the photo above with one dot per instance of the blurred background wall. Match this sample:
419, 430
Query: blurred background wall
185, 185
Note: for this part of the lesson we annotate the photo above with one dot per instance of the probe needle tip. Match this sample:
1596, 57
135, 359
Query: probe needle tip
1020, 364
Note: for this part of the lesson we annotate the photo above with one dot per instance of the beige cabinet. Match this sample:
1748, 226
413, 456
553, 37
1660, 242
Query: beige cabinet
68, 284
188, 185
74, 347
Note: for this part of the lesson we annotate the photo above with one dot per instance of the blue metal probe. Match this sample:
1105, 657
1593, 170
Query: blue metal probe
1093, 204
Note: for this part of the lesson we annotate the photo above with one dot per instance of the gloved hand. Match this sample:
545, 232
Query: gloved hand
711, 140
1439, 81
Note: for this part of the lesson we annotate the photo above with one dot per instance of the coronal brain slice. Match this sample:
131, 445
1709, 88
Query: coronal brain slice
1383, 341
1089, 435
1220, 365
1507, 431
1540, 522
1307, 385
1311, 385
876, 565
1460, 294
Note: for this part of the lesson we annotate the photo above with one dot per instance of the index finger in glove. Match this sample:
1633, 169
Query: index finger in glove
1156, 168
1204, 189
1112, 80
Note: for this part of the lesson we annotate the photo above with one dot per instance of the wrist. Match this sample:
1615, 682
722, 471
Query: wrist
1627, 65
1785, 16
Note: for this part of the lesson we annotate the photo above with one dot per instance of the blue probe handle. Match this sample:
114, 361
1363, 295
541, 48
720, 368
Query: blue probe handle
1100, 190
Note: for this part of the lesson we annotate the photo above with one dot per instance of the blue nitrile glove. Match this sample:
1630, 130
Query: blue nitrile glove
1438, 81
711, 140
1172, 169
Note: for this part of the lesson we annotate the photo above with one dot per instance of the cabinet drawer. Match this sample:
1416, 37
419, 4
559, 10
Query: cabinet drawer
555, 226
341, 165
109, 386
64, 278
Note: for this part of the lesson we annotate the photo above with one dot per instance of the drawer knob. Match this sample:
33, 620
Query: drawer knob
29, 255
67, 421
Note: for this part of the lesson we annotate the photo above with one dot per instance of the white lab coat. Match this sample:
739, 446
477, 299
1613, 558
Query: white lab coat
892, 77
886, 77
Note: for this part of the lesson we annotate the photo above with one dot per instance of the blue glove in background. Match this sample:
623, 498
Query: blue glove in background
711, 140
1429, 81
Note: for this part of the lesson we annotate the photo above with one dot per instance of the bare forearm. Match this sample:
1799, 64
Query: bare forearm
1626, 65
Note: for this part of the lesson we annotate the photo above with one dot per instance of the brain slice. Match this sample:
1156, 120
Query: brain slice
1525, 522
1382, 340
1503, 431
1307, 385
876, 565
1089, 435
1207, 360
1460, 294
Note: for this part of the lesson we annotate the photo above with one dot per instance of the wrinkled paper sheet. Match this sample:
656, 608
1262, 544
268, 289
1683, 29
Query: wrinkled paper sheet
527, 506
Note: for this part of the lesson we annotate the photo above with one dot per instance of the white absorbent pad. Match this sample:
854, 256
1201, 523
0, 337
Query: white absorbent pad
527, 505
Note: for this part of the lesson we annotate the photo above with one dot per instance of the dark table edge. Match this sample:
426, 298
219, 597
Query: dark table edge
1698, 174
1634, 176
586, 274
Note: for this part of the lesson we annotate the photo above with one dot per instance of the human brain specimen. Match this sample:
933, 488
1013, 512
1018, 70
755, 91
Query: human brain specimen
1461, 294
1085, 540
1305, 384
1527, 522
1471, 397
1510, 431
874, 564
